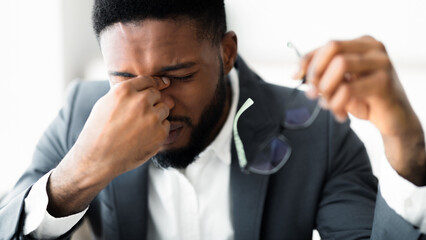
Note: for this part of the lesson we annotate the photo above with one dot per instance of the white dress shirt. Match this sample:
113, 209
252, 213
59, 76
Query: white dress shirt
194, 203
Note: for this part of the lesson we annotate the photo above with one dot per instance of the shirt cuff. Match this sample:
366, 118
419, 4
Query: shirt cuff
39, 223
407, 199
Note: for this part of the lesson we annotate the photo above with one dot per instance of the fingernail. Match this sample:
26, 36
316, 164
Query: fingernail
165, 80
323, 104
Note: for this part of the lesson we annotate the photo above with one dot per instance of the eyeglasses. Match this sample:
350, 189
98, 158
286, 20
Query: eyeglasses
275, 151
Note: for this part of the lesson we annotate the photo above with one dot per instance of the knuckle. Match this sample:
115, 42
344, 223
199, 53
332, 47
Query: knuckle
122, 90
368, 37
384, 78
334, 46
147, 95
154, 119
149, 91
340, 61
155, 93
143, 98
374, 42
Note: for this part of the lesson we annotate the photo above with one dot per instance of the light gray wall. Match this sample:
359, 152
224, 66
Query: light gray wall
79, 41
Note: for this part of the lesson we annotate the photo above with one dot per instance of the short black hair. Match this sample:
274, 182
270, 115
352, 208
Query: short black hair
209, 15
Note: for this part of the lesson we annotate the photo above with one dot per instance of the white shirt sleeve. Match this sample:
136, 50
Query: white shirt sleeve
407, 199
39, 223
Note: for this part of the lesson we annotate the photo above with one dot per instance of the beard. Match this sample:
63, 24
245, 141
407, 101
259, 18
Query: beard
201, 133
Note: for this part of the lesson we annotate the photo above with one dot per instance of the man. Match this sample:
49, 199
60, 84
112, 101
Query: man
155, 154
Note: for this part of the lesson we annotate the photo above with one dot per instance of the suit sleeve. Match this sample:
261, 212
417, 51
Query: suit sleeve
346, 208
389, 225
50, 150
398, 216
350, 207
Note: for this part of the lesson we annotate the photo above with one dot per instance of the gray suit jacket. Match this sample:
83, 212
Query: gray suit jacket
327, 184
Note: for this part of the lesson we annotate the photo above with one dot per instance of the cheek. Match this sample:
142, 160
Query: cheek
192, 98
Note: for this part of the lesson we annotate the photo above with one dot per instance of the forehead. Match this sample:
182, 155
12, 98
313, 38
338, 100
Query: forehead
172, 41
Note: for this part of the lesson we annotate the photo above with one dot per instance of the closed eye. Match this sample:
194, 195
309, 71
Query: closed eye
127, 75
180, 78
122, 74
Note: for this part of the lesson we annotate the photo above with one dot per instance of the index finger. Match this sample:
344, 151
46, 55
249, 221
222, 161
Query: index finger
141, 83
324, 55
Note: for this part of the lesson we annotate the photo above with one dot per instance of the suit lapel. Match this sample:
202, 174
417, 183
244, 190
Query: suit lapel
131, 200
255, 125
248, 196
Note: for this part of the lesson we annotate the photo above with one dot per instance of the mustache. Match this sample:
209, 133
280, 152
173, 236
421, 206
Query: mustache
183, 119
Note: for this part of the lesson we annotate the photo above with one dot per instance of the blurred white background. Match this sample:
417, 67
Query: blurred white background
46, 44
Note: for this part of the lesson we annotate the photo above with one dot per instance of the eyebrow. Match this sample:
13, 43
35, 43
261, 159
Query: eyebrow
177, 67
162, 70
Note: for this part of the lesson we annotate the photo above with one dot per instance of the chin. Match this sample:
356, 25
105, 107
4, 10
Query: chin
181, 143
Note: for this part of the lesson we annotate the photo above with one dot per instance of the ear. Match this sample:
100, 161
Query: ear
229, 47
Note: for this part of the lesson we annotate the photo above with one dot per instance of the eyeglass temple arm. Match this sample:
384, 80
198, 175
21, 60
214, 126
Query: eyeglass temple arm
292, 46
239, 146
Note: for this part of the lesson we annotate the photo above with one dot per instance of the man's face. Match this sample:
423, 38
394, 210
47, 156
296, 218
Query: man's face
171, 49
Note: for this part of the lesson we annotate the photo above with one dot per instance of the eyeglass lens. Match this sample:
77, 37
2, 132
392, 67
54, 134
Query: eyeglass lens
271, 157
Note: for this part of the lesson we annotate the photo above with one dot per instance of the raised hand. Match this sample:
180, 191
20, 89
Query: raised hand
125, 128
357, 77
